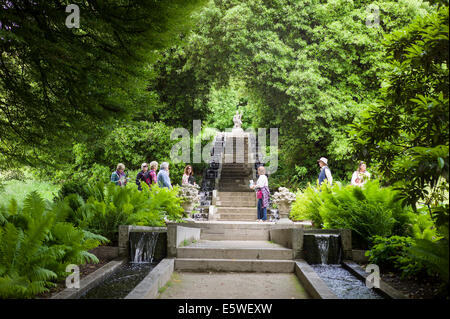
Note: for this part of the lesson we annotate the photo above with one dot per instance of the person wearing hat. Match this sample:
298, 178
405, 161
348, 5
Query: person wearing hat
325, 173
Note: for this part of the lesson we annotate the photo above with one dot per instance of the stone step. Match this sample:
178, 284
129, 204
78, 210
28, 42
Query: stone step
221, 195
232, 184
235, 253
237, 203
235, 188
234, 265
233, 179
234, 217
236, 166
235, 171
228, 176
236, 230
236, 210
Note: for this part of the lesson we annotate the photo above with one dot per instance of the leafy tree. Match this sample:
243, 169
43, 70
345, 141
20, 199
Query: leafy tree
406, 132
308, 66
59, 84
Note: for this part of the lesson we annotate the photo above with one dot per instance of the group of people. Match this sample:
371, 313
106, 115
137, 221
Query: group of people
148, 175
359, 177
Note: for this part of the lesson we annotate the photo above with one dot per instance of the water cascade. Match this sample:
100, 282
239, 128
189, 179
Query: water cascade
146, 249
142, 246
324, 253
323, 248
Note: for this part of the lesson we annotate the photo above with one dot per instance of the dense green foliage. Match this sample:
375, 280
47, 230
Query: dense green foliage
40, 238
406, 132
307, 204
412, 257
110, 206
368, 211
390, 254
76, 102
130, 144
305, 67
19, 185
37, 243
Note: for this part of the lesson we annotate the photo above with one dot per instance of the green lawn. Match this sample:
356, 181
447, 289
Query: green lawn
19, 190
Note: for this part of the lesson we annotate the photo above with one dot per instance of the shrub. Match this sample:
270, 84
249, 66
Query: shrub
73, 186
433, 254
307, 204
367, 211
36, 245
13, 174
110, 206
391, 254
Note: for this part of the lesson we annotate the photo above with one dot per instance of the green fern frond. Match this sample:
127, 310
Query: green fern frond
434, 253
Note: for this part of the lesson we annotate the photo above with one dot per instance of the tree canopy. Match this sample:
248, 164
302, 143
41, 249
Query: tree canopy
406, 132
60, 84
306, 67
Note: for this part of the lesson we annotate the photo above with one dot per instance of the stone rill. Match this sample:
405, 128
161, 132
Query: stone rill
324, 253
121, 282
344, 284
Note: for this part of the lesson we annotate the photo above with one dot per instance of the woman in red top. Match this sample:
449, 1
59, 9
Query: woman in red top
151, 175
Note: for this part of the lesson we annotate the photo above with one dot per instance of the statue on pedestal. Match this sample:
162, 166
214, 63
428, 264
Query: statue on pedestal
237, 119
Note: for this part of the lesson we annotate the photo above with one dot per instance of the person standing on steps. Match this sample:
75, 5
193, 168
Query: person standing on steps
141, 175
262, 193
325, 173
163, 176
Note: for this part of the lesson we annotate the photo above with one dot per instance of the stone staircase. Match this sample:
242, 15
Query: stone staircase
234, 256
235, 200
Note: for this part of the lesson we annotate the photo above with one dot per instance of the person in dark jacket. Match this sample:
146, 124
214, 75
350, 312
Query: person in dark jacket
325, 173
141, 176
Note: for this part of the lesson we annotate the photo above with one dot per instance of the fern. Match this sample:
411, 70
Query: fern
435, 254
36, 245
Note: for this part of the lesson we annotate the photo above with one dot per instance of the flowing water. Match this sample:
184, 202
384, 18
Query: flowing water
121, 282
142, 246
341, 282
326, 242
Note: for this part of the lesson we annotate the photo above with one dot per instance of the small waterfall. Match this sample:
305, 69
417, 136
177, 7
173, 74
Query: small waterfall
322, 248
323, 244
142, 246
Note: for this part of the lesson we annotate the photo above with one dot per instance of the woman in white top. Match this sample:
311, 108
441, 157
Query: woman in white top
360, 176
262, 187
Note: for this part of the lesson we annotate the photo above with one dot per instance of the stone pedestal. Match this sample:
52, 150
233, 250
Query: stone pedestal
284, 209
187, 206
